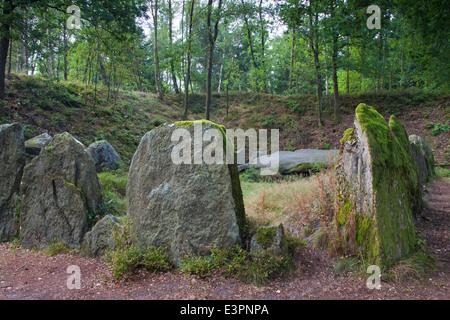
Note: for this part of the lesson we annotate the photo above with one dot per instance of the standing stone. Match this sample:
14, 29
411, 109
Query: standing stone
104, 155
188, 208
33, 146
59, 190
424, 159
12, 162
270, 239
378, 190
101, 238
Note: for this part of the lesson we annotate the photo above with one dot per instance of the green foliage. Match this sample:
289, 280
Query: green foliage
125, 258
57, 248
252, 267
197, 265
442, 172
438, 128
251, 175
348, 264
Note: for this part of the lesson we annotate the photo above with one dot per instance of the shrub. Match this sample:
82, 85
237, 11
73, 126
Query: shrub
114, 185
438, 128
197, 265
125, 258
57, 248
251, 267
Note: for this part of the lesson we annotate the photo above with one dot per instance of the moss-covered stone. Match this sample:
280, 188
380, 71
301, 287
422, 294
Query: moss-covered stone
190, 207
59, 189
12, 162
425, 161
270, 239
378, 190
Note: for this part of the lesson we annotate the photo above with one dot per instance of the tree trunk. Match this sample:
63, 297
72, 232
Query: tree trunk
212, 37
5, 28
208, 82
263, 45
319, 88
314, 43
335, 78
291, 66
155, 50
65, 52
172, 66
103, 71
380, 57
219, 87
10, 56
188, 71
348, 66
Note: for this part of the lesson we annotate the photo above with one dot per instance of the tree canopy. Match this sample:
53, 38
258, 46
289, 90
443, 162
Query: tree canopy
289, 47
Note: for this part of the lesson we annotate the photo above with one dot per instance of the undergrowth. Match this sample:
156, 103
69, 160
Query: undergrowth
113, 185
57, 248
251, 267
125, 258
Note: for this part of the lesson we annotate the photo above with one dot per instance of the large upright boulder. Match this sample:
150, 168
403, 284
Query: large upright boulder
34, 146
188, 208
104, 155
101, 238
299, 161
378, 190
59, 190
12, 162
424, 159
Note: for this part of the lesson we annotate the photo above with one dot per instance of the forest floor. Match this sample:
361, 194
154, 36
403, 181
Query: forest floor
25, 274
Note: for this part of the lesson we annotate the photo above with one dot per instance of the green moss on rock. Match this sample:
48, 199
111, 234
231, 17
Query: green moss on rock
379, 176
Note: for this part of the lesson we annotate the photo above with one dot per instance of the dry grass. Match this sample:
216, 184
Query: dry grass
298, 204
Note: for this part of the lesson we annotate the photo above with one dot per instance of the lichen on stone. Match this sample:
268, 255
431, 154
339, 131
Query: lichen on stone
378, 190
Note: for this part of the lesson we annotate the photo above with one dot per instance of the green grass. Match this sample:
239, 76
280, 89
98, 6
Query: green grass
250, 267
125, 257
113, 185
415, 266
442, 172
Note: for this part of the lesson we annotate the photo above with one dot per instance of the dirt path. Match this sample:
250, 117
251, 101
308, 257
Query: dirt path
33, 275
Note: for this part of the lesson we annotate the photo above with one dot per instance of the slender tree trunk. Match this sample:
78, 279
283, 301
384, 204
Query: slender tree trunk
155, 50
250, 43
208, 82
291, 66
188, 71
390, 79
380, 55
314, 43
326, 68
228, 81
4, 43
263, 45
212, 37
348, 66
319, 88
5, 28
335, 78
172, 66
103, 71
65, 52
383, 62
219, 87
10, 56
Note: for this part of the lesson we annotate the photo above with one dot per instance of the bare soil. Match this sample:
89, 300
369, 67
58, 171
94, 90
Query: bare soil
32, 275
